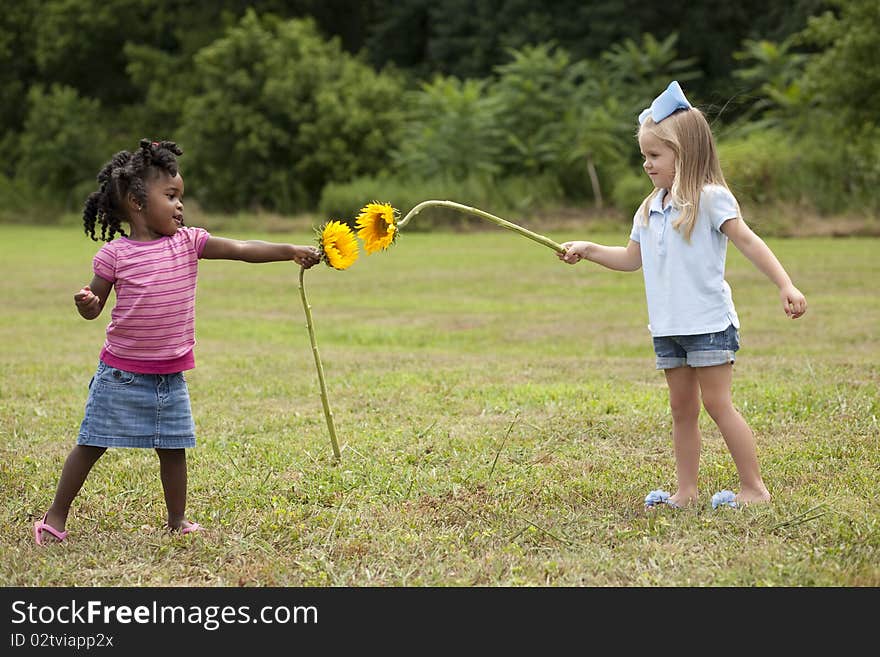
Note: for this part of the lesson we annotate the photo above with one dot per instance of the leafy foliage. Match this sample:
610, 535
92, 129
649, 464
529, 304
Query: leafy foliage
844, 79
514, 196
17, 70
451, 131
469, 39
541, 115
775, 95
297, 112
274, 99
62, 144
535, 90
643, 68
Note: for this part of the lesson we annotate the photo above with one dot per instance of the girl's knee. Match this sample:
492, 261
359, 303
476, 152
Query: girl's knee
684, 405
86, 454
718, 407
90, 450
171, 455
685, 411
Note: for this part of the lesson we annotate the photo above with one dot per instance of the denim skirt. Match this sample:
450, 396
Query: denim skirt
128, 409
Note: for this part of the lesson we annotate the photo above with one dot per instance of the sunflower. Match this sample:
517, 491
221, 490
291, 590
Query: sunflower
378, 226
338, 245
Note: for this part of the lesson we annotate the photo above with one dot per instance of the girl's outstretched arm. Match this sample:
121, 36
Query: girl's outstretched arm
91, 298
619, 258
221, 248
756, 250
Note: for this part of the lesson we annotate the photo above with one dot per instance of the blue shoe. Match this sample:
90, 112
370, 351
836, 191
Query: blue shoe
658, 497
724, 498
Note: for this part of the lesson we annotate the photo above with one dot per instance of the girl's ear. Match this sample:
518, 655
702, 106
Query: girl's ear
133, 204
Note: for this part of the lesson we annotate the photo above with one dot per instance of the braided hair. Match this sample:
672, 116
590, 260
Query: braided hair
126, 173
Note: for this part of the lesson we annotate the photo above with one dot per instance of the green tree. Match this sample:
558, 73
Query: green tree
535, 90
17, 69
280, 112
79, 44
640, 70
844, 79
451, 131
843, 83
597, 136
773, 72
62, 142
465, 38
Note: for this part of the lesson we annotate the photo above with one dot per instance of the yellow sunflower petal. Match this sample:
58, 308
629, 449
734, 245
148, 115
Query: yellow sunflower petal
339, 247
377, 224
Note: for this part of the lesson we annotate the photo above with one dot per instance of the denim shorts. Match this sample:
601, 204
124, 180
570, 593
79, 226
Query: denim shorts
127, 409
703, 350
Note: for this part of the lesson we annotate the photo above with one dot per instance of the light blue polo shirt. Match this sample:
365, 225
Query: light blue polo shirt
684, 281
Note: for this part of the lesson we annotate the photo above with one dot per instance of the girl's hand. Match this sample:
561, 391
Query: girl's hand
306, 256
574, 252
793, 302
86, 301
88, 304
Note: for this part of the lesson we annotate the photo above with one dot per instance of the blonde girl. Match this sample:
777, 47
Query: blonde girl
679, 239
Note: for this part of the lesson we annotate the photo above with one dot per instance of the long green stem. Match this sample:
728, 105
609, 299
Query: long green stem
328, 414
540, 239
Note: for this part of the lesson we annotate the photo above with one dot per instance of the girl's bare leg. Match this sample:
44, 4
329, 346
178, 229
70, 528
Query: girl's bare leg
684, 402
715, 385
73, 475
172, 468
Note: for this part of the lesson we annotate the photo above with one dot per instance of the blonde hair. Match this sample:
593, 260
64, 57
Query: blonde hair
689, 136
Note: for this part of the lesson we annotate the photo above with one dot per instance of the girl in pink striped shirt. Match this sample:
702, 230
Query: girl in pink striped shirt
138, 396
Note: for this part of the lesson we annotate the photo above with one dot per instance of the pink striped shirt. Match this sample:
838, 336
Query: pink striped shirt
152, 325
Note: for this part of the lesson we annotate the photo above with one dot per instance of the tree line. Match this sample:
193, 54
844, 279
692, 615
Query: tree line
294, 106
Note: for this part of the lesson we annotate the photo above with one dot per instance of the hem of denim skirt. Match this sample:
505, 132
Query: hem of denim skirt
145, 443
670, 362
711, 358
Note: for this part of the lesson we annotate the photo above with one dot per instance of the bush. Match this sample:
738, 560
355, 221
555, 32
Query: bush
534, 92
856, 163
18, 202
451, 130
63, 143
764, 167
509, 198
282, 111
630, 189
818, 172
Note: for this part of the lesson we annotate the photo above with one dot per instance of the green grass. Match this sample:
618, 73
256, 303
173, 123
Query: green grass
498, 412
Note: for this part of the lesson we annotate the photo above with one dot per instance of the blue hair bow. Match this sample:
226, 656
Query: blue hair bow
665, 104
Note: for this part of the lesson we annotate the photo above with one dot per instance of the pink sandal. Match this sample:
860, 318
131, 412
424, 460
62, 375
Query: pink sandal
40, 526
194, 527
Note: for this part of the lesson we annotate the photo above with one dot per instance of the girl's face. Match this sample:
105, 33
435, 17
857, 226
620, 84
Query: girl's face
659, 160
163, 212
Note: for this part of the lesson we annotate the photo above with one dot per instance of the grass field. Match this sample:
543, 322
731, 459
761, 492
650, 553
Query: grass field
499, 417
